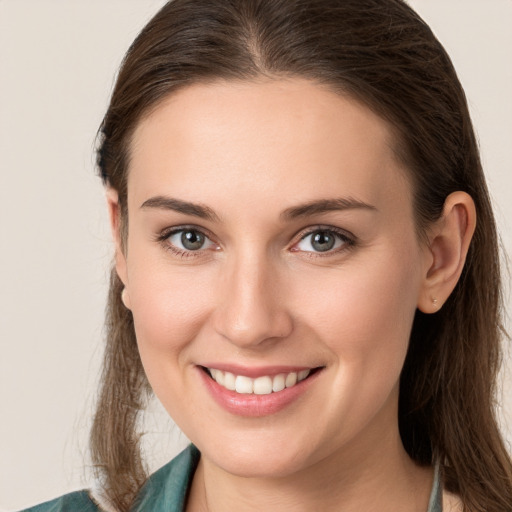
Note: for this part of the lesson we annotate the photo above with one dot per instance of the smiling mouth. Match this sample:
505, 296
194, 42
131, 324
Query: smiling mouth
264, 385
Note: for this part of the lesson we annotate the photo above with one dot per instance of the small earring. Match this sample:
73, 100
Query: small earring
434, 302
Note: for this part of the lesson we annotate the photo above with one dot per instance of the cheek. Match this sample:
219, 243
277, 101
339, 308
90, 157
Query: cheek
169, 306
364, 312
363, 317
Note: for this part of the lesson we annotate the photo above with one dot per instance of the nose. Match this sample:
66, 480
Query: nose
251, 308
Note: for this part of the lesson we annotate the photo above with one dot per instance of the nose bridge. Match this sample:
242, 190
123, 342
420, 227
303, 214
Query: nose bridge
250, 309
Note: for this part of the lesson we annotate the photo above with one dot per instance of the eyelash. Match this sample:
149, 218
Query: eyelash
348, 240
163, 239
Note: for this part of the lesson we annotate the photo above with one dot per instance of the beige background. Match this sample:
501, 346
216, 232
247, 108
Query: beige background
57, 62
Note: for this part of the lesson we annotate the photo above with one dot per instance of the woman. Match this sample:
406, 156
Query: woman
300, 277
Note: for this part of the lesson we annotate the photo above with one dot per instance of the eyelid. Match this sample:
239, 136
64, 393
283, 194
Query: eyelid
349, 239
164, 235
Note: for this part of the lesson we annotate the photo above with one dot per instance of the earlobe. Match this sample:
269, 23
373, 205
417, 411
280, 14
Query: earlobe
114, 212
449, 241
125, 298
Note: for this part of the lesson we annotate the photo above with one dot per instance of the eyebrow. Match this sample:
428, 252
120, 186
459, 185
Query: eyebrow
185, 207
302, 210
325, 205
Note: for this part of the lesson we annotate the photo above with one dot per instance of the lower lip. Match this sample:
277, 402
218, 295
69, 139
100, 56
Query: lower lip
251, 405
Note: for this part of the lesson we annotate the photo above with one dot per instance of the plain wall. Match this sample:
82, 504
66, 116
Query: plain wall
57, 63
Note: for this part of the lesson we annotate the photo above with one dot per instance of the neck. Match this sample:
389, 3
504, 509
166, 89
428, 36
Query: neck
379, 477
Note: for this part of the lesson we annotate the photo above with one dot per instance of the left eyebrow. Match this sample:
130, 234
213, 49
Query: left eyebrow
177, 205
323, 206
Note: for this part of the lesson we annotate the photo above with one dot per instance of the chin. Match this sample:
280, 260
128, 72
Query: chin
273, 457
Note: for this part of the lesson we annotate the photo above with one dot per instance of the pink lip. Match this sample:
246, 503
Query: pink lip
255, 405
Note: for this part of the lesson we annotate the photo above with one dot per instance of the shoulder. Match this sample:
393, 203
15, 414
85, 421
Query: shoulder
167, 487
79, 501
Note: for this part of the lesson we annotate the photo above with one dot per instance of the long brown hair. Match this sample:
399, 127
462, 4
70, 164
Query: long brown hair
381, 53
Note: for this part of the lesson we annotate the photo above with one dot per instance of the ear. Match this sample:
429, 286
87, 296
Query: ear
114, 211
448, 246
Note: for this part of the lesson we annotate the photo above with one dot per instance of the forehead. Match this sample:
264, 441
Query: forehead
292, 136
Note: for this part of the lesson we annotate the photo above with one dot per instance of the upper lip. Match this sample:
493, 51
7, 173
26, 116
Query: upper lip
257, 371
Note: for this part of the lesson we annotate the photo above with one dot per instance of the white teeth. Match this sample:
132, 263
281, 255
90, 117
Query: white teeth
243, 384
291, 380
278, 384
229, 381
260, 386
302, 374
219, 377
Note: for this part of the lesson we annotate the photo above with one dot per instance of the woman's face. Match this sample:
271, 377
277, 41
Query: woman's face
271, 240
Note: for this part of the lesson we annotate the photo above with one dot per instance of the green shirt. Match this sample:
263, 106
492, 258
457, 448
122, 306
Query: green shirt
167, 489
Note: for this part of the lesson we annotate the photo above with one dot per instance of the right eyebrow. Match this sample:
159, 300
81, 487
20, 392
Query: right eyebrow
185, 207
326, 205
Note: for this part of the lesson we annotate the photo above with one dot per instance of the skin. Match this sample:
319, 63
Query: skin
258, 294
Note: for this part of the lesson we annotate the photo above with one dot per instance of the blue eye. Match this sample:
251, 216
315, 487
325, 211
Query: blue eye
189, 239
322, 240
